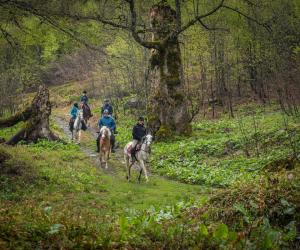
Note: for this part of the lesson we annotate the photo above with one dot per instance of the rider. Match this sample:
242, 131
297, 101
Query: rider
73, 114
74, 111
87, 110
108, 121
138, 132
107, 106
84, 97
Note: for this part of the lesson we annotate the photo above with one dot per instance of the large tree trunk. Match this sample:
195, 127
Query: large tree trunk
168, 113
36, 118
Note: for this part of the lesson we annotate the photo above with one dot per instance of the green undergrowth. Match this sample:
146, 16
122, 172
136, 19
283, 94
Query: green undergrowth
53, 196
7, 133
227, 151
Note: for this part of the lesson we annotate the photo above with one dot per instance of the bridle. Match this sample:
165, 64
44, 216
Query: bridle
144, 141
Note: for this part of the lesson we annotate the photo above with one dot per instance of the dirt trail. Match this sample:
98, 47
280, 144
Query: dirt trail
87, 150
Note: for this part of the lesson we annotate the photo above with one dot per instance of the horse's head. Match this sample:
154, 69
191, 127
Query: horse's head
148, 139
105, 132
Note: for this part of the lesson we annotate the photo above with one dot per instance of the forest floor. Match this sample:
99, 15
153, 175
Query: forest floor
234, 184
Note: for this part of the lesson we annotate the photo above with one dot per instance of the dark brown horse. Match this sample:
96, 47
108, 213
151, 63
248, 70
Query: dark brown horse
87, 114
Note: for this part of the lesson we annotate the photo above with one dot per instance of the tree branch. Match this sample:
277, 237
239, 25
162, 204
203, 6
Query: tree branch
146, 44
9, 38
197, 18
18, 117
178, 14
211, 29
266, 26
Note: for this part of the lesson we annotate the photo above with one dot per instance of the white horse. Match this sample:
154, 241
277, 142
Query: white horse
141, 156
76, 131
104, 145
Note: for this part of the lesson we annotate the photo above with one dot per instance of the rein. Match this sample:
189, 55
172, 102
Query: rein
147, 151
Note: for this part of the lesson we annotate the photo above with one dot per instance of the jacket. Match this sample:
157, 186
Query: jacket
107, 121
84, 99
138, 132
108, 107
74, 112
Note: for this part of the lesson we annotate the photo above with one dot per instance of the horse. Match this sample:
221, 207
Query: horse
104, 145
77, 126
87, 114
141, 156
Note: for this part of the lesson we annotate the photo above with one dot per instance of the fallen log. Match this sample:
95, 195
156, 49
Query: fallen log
35, 118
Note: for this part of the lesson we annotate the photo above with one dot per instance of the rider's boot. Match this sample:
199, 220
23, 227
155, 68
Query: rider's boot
113, 147
97, 143
133, 157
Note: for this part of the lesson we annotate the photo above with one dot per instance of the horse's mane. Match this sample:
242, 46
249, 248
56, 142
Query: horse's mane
105, 128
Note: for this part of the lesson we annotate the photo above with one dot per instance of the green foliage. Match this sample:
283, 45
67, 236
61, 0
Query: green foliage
215, 153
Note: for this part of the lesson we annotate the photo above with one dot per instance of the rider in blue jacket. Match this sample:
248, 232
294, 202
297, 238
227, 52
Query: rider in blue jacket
74, 111
108, 121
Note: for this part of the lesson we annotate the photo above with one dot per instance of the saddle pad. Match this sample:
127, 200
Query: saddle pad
138, 148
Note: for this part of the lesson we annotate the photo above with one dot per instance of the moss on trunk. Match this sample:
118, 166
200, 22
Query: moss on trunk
168, 105
36, 119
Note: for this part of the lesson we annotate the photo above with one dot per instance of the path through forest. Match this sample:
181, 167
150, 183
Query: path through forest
87, 150
158, 188
116, 163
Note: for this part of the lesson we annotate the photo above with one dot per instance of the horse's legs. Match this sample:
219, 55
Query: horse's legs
87, 122
79, 136
144, 169
76, 136
140, 175
129, 170
106, 156
126, 165
100, 157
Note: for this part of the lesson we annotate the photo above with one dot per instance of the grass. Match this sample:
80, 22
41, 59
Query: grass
53, 195
65, 186
223, 152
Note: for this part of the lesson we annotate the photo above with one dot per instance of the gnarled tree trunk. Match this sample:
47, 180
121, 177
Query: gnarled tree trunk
36, 118
168, 113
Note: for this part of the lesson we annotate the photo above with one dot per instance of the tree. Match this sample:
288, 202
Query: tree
168, 108
36, 118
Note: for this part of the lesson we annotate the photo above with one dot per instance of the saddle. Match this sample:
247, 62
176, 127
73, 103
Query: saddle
137, 148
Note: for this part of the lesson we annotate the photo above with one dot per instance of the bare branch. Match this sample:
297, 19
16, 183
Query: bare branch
197, 18
9, 38
266, 26
178, 14
147, 44
211, 29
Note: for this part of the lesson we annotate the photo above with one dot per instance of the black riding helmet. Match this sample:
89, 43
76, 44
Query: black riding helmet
141, 118
84, 92
76, 104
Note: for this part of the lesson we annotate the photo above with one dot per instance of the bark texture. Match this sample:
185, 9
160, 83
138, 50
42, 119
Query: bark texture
168, 112
36, 118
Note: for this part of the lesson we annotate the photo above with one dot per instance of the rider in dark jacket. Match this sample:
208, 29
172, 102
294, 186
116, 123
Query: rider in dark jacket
84, 98
107, 106
138, 132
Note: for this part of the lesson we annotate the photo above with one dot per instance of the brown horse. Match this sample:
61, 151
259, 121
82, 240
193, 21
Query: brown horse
104, 145
87, 114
